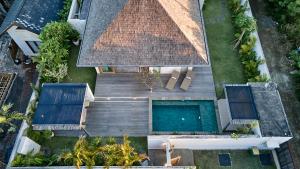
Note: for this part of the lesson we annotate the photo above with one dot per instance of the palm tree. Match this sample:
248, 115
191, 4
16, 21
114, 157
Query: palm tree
129, 156
120, 154
7, 117
80, 155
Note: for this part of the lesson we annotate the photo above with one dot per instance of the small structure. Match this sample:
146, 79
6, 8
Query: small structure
62, 107
259, 102
25, 21
28, 146
242, 110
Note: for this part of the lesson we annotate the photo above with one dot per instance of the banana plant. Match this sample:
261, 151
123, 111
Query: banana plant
7, 117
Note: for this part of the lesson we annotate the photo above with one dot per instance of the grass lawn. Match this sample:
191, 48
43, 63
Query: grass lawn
239, 160
79, 75
226, 65
57, 144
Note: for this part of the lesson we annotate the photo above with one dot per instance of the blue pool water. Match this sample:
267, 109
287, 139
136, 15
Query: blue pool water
184, 116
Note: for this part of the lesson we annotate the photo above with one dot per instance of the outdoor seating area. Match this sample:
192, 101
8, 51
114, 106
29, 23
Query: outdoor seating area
126, 85
173, 80
185, 83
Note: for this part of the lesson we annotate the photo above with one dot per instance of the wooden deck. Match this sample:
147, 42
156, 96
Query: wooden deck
128, 86
117, 118
122, 101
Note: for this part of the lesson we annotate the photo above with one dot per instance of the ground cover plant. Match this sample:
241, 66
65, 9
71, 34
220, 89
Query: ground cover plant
56, 40
244, 27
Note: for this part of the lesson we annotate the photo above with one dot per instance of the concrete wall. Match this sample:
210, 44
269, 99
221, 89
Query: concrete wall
27, 146
77, 23
214, 142
201, 2
20, 36
169, 70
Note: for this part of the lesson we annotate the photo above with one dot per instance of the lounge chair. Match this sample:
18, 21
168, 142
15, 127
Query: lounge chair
187, 80
172, 81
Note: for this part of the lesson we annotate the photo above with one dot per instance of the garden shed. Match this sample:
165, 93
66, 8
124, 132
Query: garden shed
254, 102
62, 106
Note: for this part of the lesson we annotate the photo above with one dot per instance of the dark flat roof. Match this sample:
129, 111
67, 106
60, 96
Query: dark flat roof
241, 103
60, 104
273, 120
32, 15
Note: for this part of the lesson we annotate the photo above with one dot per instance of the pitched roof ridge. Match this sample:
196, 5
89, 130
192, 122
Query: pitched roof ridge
181, 26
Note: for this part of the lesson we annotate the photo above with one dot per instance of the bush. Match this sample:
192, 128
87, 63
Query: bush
244, 26
40, 137
59, 31
64, 13
34, 160
54, 51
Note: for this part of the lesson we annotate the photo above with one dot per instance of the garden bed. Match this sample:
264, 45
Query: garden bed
226, 64
53, 150
239, 159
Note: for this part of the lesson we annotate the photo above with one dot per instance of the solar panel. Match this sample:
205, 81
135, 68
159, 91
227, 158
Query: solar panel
266, 159
241, 102
60, 104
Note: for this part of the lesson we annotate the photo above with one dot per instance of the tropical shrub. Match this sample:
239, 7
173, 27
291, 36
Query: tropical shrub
41, 137
92, 152
60, 31
64, 13
295, 56
82, 154
8, 117
34, 160
287, 14
244, 26
54, 51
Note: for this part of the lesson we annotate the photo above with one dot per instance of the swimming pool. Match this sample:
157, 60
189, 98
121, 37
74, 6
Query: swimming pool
184, 116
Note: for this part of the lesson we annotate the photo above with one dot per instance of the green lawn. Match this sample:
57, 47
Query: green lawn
226, 65
79, 75
239, 160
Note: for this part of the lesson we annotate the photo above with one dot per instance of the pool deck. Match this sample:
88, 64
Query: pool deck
126, 85
117, 118
122, 102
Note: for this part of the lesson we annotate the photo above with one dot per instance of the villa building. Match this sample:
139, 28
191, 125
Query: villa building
123, 38
166, 40
25, 20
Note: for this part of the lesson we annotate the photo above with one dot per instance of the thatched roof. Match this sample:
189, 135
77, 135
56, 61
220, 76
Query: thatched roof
144, 33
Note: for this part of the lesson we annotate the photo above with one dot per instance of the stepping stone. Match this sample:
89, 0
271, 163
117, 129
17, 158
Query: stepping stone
224, 159
266, 159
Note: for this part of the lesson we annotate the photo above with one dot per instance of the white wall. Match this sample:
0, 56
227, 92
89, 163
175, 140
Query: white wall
201, 3
27, 146
20, 36
214, 142
169, 70
77, 24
